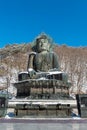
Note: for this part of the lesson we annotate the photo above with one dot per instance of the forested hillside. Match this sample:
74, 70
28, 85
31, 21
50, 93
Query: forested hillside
13, 58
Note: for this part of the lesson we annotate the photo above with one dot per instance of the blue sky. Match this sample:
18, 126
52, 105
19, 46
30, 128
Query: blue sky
64, 20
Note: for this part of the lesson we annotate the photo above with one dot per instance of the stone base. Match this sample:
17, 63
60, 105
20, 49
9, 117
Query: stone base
43, 110
39, 89
48, 113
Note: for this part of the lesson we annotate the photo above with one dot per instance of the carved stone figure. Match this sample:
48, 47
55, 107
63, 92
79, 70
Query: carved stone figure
43, 80
42, 59
43, 77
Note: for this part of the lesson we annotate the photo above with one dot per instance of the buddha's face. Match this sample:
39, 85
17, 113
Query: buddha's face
42, 45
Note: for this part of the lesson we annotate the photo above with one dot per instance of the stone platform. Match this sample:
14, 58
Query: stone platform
42, 108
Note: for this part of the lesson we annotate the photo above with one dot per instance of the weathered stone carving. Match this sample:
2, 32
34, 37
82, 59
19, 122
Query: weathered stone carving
43, 81
43, 77
42, 59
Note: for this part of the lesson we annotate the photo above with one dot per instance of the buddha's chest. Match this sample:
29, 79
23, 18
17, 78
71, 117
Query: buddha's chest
43, 58
43, 61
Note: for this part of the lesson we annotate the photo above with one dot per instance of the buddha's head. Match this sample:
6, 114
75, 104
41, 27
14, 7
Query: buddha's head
42, 43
